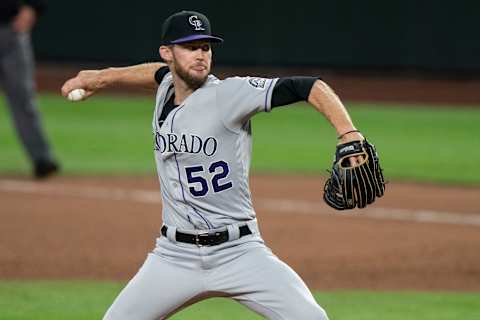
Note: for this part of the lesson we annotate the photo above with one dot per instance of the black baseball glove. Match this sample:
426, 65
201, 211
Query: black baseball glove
350, 187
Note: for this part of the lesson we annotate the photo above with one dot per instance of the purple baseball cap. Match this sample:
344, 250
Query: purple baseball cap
186, 26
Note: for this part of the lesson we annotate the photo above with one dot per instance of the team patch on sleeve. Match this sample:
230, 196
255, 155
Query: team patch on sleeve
258, 83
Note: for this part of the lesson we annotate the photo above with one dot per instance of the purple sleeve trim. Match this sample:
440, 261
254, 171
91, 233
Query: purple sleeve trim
266, 96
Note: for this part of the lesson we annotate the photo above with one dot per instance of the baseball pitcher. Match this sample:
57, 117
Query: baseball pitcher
210, 244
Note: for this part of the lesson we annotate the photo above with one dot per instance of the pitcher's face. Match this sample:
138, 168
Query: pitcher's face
191, 61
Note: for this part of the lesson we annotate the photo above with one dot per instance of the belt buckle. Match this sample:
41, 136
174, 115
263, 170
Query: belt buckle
199, 236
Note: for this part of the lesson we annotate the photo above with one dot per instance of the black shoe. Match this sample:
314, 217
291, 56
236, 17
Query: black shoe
44, 169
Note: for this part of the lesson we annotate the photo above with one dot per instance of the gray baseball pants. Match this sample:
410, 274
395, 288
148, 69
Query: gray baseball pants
17, 79
177, 275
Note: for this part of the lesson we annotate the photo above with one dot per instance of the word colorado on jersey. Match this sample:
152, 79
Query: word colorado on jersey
185, 143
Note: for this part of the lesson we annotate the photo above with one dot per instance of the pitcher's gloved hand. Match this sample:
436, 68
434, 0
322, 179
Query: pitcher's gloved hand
354, 186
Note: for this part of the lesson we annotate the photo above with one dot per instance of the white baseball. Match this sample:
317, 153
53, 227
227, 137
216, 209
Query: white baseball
76, 95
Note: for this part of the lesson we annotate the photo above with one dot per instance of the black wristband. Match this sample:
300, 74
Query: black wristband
343, 134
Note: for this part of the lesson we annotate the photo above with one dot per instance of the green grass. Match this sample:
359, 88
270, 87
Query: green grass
89, 300
112, 136
414, 143
102, 135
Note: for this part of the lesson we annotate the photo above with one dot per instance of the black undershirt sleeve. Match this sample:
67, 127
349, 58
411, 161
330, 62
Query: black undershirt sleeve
167, 108
160, 73
289, 90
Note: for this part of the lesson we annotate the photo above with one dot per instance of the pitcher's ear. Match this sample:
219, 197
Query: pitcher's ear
165, 53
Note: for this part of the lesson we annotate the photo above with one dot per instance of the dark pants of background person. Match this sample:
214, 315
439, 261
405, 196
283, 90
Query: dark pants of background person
17, 80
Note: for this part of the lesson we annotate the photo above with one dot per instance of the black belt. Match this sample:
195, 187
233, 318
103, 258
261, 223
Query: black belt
207, 238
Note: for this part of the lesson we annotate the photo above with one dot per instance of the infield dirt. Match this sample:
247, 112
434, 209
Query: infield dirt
103, 228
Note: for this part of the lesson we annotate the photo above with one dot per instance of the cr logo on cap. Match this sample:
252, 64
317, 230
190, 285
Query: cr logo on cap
196, 23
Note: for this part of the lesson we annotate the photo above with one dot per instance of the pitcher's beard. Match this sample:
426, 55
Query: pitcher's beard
192, 82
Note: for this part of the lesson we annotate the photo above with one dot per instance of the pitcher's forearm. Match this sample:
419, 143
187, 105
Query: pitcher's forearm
327, 102
138, 76
324, 99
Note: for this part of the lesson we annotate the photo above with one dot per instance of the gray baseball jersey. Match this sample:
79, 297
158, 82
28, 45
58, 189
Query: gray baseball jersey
203, 151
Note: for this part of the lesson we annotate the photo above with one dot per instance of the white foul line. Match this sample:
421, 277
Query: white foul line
271, 204
374, 212
93, 192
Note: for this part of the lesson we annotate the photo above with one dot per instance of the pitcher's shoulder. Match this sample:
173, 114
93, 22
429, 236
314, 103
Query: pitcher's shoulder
246, 81
231, 83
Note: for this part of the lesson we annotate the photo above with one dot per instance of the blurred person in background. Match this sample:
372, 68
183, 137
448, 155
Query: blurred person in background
17, 18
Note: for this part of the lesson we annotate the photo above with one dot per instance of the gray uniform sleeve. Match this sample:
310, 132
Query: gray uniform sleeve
240, 98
